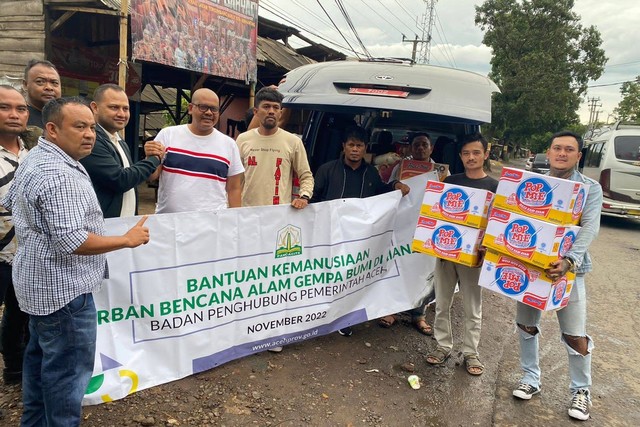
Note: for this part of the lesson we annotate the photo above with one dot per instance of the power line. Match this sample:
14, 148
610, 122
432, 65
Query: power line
347, 18
413, 17
311, 12
381, 16
444, 36
303, 27
614, 84
338, 29
620, 65
395, 16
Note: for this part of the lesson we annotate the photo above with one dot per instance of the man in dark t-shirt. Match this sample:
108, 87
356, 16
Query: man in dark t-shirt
473, 153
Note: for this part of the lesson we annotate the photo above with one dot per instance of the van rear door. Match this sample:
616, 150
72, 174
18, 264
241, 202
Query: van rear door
425, 90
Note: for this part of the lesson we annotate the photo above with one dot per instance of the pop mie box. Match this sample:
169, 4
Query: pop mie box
524, 282
453, 242
528, 239
456, 203
556, 200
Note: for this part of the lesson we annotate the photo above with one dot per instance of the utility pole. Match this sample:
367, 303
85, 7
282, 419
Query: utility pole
415, 45
593, 117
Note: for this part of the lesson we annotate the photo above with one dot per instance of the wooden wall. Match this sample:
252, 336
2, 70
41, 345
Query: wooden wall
22, 34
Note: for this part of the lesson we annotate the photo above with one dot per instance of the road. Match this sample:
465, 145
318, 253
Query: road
362, 380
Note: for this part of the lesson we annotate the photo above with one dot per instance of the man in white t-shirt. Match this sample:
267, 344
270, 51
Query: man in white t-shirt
201, 170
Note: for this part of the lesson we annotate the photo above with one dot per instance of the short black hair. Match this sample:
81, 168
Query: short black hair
33, 62
568, 133
268, 94
100, 90
52, 111
414, 135
354, 132
473, 137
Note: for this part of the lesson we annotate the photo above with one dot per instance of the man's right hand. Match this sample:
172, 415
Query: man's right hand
138, 234
154, 148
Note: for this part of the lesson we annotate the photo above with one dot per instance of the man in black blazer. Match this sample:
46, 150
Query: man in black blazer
113, 173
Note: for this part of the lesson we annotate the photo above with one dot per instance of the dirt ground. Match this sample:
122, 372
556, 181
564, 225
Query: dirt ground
362, 380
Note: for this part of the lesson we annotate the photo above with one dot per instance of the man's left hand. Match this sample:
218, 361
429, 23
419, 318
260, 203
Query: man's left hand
299, 203
558, 268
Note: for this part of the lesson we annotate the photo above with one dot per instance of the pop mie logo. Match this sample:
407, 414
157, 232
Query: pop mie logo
289, 241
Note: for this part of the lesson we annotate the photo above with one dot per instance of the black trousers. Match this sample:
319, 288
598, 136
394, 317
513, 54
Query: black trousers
14, 327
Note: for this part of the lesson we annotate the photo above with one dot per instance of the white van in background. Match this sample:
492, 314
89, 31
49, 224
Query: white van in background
390, 98
611, 156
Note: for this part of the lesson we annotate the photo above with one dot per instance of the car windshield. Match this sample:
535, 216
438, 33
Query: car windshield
540, 158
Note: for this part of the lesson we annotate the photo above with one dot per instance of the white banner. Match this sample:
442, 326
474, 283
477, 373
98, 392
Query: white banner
211, 287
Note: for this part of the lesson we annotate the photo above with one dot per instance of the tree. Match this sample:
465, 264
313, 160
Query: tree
629, 107
542, 61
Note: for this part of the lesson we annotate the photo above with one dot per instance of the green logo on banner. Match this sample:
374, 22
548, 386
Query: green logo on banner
289, 241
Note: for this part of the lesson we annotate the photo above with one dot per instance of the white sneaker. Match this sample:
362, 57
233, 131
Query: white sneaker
580, 404
525, 391
275, 349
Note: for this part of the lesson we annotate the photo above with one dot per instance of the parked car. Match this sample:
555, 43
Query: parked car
540, 163
529, 162
390, 99
611, 156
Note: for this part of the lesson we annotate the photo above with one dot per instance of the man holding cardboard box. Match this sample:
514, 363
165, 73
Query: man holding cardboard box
564, 154
473, 153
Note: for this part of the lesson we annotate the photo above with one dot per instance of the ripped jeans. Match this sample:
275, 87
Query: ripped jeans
572, 320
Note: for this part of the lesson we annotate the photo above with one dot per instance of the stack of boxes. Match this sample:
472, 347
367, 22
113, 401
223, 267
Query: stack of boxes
531, 224
452, 222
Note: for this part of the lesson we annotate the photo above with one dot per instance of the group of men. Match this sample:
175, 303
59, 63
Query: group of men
80, 171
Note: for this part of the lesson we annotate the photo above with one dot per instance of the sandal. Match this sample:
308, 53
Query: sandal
438, 356
387, 321
473, 365
423, 327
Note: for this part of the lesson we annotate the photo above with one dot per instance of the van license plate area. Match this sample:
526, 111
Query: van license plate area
378, 92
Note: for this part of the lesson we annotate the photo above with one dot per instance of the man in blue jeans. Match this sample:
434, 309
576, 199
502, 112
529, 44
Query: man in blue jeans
564, 154
59, 262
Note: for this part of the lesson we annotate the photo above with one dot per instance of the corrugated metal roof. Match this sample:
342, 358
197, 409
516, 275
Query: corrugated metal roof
113, 4
280, 55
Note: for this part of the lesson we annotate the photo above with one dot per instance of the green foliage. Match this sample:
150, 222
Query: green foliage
629, 107
542, 61
168, 117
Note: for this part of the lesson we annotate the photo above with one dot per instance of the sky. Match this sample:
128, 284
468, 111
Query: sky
456, 40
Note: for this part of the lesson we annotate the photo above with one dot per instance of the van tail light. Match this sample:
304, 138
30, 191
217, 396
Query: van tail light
605, 182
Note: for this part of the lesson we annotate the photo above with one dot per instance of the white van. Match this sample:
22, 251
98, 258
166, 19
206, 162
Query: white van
611, 156
390, 99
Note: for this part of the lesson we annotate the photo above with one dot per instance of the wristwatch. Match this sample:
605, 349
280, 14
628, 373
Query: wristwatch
304, 196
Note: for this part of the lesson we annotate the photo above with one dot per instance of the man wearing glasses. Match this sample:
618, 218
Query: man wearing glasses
201, 170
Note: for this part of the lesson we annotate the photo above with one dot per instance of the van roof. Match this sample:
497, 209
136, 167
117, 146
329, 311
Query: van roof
354, 86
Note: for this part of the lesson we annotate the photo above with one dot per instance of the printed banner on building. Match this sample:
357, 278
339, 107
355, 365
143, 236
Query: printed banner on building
217, 37
212, 287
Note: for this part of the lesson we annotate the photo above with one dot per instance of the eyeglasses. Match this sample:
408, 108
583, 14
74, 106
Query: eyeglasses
204, 108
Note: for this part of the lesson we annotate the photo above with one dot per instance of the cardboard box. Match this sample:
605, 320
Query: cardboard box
453, 242
528, 239
524, 282
455, 203
410, 167
556, 200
